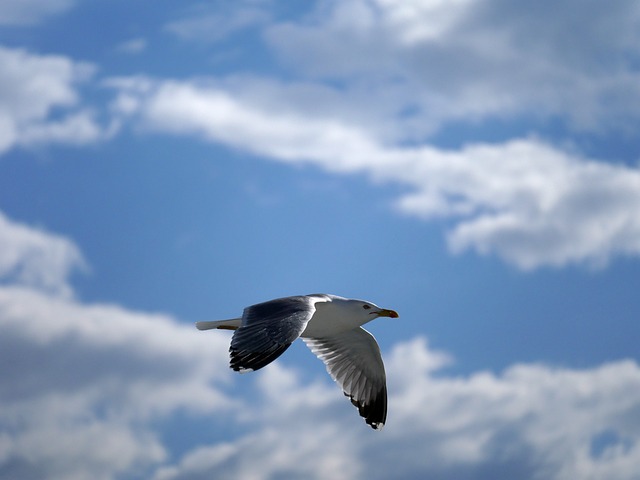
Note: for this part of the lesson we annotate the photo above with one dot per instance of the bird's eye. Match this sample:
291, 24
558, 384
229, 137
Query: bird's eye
366, 307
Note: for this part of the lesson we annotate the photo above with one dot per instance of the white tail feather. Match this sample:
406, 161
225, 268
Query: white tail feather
224, 324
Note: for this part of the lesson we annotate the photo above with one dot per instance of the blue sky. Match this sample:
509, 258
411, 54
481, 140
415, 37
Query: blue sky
471, 164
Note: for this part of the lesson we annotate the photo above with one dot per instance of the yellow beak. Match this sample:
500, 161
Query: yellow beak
388, 313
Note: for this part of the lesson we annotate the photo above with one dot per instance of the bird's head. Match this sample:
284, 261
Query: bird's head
368, 311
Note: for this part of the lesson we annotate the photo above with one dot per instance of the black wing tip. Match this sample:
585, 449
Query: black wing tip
374, 412
376, 426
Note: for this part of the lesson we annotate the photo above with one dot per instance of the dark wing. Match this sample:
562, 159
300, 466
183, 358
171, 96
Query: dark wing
267, 330
353, 360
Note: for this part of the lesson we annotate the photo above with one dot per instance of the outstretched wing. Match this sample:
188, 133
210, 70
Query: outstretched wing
267, 329
353, 360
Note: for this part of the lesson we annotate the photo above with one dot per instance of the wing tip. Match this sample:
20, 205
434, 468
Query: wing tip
374, 413
242, 369
378, 426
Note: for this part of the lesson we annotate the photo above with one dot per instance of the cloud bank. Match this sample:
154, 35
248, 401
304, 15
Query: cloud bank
364, 87
408, 70
473, 60
81, 384
524, 200
86, 390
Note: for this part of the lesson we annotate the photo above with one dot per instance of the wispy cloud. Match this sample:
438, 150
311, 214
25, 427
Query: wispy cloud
42, 102
29, 12
33, 257
132, 46
524, 200
215, 24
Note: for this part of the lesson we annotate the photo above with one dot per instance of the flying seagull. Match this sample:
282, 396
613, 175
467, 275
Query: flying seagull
331, 326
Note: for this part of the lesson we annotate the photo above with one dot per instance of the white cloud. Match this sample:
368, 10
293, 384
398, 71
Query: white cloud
548, 419
208, 24
85, 386
78, 128
429, 64
324, 451
40, 101
86, 389
529, 422
534, 205
81, 384
215, 114
426, 64
29, 12
416, 21
133, 46
471, 60
523, 200
33, 257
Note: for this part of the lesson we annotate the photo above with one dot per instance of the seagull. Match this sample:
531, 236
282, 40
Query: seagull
331, 326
